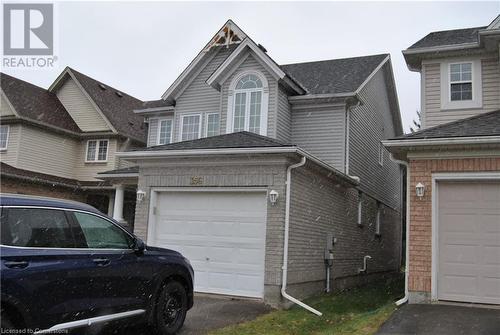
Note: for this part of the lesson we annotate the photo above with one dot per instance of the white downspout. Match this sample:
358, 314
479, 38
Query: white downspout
407, 223
285, 243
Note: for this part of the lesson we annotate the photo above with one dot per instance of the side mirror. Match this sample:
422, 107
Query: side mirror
139, 246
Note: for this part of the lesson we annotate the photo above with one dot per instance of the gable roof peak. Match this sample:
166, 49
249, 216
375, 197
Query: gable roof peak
229, 34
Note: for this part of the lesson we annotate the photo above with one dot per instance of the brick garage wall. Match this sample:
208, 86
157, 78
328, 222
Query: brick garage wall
248, 171
320, 205
8, 185
421, 215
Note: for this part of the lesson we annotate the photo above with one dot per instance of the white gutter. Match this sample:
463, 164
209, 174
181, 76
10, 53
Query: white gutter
443, 141
154, 110
450, 47
285, 243
407, 224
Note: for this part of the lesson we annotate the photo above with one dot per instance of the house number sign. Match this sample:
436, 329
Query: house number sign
196, 180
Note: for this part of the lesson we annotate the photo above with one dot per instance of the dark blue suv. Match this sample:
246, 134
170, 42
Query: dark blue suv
66, 265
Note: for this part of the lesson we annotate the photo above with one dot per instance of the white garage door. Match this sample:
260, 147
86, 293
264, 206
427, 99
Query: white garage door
469, 242
221, 233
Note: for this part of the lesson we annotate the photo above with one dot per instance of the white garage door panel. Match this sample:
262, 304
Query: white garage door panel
221, 233
469, 242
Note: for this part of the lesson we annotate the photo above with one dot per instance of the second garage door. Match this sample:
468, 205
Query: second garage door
469, 242
221, 233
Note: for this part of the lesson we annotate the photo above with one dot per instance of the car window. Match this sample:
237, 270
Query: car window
35, 227
102, 234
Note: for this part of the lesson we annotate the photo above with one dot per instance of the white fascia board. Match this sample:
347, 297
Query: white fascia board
154, 110
382, 63
234, 55
58, 80
442, 141
144, 155
451, 47
495, 23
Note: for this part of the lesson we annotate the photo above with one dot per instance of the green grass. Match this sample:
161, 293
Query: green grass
358, 311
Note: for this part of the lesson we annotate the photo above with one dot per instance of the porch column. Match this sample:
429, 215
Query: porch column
118, 206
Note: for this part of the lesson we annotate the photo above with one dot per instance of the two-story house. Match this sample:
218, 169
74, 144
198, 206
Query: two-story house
257, 171
54, 142
453, 232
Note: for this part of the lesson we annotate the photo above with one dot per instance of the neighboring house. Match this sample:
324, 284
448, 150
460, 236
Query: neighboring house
54, 142
454, 162
223, 147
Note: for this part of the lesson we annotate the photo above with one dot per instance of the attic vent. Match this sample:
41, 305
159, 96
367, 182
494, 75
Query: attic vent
102, 87
261, 47
119, 94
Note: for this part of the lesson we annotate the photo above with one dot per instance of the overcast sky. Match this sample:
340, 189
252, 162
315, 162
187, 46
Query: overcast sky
141, 47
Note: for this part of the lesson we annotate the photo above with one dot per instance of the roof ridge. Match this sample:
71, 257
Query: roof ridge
456, 29
337, 59
103, 83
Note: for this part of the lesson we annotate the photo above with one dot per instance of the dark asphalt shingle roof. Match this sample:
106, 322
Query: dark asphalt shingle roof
116, 105
487, 124
448, 37
9, 171
334, 76
155, 104
36, 103
132, 169
242, 139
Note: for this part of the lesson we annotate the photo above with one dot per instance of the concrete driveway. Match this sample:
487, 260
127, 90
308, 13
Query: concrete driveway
442, 320
208, 313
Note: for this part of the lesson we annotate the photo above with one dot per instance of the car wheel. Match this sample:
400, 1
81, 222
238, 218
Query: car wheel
171, 308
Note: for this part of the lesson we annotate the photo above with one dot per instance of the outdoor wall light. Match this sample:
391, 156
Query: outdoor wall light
273, 197
140, 195
420, 189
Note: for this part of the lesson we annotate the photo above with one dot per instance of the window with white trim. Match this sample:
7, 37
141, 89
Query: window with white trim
212, 124
248, 104
461, 81
97, 151
164, 131
4, 136
190, 127
381, 150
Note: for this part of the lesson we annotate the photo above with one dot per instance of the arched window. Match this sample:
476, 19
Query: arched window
249, 105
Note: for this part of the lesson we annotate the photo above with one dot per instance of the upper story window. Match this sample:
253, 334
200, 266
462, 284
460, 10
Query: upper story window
190, 127
460, 81
97, 151
164, 131
4, 136
461, 84
248, 104
212, 124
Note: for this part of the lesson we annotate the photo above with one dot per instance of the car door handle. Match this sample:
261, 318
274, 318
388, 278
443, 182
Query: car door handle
16, 264
101, 261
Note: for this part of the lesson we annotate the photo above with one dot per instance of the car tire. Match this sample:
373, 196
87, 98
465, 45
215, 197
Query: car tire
171, 308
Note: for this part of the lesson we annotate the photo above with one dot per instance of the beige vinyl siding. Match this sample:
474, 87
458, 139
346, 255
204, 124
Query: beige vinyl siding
45, 152
284, 119
251, 63
433, 115
124, 145
371, 123
199, 97
10, 156
321, 132
88, 171
152, 132
5, 109
80, 108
